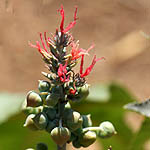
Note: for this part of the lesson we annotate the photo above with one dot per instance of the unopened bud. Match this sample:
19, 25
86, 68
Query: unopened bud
34, 99
60, 135
29, 122
106, 129
51, 100
44, 86
41, 146
76, 143
50, 112
74, 120
41, 120
87, 122
84, 91
87, 138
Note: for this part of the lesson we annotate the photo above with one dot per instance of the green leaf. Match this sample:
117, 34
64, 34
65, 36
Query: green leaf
141, 137
142, 108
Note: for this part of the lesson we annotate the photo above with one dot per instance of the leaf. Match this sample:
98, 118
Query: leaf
141, 137
10, 104
142, 108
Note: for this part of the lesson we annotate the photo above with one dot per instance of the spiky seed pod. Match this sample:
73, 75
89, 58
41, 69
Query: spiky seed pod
51, 125
44, 86
106, 129
41, 120
74, 120
87, 138
33, 99
41, 146
60, 135
51, 100
87, 122
50, 112
29, 122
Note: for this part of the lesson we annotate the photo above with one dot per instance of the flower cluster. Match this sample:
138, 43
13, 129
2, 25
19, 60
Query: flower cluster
50, 108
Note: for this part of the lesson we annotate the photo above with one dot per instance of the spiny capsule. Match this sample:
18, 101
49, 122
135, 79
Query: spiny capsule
33, 99
44, 86
60, 135
41, 120
30, 123
106, 129
87, 138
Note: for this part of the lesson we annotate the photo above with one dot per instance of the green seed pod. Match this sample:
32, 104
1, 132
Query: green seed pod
51, 125
74, 120
50, 112
76, 143
106, 129
30, 149
41, 146
68, 106
29, 122
44, 86
87, 138
34, 99
41, 120
51, 100
87, 122
60, 135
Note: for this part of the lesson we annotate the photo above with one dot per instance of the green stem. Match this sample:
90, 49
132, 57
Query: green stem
91, 129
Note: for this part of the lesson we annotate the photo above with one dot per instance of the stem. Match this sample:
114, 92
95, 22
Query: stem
61, 148
91, 129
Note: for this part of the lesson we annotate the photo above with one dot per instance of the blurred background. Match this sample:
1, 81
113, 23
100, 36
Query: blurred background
119, 29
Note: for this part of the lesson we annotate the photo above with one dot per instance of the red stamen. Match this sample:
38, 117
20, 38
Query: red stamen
46, 39
81, 66
43, 42
62, 20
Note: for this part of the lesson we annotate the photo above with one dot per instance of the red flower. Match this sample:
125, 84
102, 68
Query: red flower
62, 71
44, 52
89, 69
71, 25
77, 52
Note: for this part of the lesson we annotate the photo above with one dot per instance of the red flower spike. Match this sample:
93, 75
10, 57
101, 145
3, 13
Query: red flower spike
62, 73
89, 69
71, 25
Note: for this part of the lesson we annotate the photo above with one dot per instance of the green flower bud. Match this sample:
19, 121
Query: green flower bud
76, 143
84, 91
68, 106
41, 120
41, 146
87, 122
106, 129
87, 138
51, 100
74, 120
50, 112
51, 125
30, 149
34, 99
60, 135
29, 122
44, 86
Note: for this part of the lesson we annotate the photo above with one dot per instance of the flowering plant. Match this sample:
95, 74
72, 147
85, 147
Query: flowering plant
50, 109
